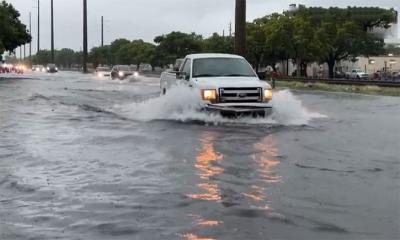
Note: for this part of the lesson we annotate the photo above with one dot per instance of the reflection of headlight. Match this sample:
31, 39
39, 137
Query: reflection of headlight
136, 74
268, 94
121, 74
209, 95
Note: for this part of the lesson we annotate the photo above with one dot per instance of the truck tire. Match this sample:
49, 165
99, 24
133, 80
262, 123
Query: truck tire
164, 91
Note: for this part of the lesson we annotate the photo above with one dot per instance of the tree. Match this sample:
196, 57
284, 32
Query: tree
177, 45
392, 49
115, 48
100, 55
12, 32
218, 44
65, 57
43, 57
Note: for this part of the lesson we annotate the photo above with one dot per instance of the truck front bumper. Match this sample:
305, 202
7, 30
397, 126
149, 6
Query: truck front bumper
241, 109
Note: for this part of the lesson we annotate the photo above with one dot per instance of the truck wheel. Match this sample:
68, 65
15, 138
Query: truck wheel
164, 91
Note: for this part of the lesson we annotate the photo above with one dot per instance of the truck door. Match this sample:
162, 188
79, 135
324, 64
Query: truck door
185, 73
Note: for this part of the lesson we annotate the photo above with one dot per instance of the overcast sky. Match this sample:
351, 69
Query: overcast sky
145, 19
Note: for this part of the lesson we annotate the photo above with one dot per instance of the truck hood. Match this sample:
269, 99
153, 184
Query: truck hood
230, 82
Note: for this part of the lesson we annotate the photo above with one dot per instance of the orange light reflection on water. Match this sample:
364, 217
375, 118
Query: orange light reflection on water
194, 237
206, 161
265, 159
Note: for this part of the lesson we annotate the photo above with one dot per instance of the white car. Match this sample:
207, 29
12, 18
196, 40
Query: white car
103, 72
357, 74
226, 83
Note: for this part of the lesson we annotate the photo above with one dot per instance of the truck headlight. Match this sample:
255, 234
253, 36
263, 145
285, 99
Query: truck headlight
136, 74
209, 95
121, 74
268, 94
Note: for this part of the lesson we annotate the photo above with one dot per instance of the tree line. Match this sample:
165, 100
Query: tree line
307, 35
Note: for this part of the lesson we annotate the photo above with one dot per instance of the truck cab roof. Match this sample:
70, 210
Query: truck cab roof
212, 55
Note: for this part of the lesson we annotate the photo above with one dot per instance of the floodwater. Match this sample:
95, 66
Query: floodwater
88, 158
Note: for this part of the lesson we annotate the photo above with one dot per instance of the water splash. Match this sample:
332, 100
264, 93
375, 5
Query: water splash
184, 104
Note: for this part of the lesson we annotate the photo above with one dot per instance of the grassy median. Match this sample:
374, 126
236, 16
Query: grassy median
372, 90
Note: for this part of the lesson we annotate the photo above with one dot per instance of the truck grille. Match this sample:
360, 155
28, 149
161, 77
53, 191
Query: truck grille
242, 95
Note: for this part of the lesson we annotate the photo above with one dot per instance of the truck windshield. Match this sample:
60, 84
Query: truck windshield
221, 67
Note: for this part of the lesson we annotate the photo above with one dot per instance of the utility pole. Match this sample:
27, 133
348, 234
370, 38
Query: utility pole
102, 31
240, 28
30, 44
52, 32
24, 52
230, 29
38, 40
85, 39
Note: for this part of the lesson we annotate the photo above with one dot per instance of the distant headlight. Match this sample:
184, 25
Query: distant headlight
48, 68
121, 74
209, 95
56, 69
136, 74
268, 95
100, 75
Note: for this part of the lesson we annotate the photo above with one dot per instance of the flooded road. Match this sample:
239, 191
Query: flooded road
83, 158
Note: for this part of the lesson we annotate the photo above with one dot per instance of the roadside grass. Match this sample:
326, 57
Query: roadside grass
371, 90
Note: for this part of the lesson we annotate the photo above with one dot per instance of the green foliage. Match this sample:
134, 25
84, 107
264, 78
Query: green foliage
64, 57
318, 34
43, 57
100, 55
177, 45
392, 49
12, 32
218, 44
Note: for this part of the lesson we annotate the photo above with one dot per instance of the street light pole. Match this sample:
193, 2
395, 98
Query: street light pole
85, 39
38, 40
102, 31
240, 28
52, 32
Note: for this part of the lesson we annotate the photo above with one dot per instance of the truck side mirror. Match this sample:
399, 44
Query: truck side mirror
178, 75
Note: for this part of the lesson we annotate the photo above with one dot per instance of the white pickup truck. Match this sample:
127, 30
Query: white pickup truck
226, 83
357, 74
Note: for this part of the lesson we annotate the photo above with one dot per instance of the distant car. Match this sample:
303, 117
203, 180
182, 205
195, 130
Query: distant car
51, 68
339, 74
38, 68
19, 69
122, 72
357, 74
103, 72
